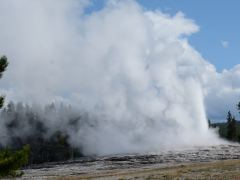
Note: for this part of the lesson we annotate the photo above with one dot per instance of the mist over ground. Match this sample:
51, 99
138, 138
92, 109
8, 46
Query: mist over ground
131, 70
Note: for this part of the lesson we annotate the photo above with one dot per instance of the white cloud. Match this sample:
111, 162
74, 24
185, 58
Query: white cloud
223, 94
225, 44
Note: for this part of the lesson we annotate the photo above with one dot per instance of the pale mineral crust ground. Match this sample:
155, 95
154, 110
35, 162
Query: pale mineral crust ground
215, 162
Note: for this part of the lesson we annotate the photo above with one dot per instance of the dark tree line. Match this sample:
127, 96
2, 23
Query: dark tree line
48, 140
229, 130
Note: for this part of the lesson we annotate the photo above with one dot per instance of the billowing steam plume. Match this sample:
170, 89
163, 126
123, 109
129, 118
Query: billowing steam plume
131, 70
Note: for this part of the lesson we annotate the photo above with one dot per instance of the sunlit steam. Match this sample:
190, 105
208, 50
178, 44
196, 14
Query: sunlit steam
131, 70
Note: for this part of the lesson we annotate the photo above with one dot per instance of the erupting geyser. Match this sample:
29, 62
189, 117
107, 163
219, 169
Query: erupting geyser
132, 70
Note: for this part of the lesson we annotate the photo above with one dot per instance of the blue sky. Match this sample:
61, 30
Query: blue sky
218, 40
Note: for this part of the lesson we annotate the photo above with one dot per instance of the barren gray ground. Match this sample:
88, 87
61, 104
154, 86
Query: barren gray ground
84, 167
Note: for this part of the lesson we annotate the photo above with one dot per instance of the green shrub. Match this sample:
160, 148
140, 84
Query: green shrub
12, 161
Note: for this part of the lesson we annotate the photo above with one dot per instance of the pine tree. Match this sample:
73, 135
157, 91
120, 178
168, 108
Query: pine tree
11, 161
229, 124
3, 66
231, 127
234, 129
238, 107
209, 123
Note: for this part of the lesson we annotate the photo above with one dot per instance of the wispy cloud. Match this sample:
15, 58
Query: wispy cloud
225, 44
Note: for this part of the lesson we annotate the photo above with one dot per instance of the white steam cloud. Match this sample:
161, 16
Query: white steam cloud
131, 69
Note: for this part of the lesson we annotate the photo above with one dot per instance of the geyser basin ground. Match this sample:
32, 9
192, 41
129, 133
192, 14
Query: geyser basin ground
108, 166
